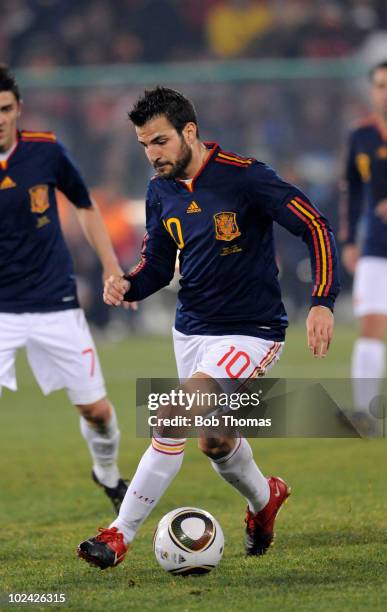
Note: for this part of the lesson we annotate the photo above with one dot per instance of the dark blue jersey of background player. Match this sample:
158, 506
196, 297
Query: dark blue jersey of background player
36, 272
366, 181
222, 223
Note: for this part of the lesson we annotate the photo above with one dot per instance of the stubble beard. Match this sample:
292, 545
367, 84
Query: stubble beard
180, 165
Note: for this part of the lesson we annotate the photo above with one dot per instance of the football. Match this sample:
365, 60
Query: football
188, 541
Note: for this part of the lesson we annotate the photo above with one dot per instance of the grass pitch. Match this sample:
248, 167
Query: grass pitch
330, 551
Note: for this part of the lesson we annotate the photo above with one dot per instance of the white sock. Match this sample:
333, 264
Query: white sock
156, 470
368, 362
239, 469
103, 441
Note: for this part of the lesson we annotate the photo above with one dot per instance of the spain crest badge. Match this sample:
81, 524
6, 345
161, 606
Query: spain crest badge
39, 198
226, 227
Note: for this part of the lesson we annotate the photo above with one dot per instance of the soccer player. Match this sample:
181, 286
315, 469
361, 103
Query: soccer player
39, 308
217, 209
366, 179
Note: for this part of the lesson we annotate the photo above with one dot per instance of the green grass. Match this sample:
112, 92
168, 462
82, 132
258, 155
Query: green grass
330, 551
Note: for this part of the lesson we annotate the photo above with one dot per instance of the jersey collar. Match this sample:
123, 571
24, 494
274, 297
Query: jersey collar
213, 148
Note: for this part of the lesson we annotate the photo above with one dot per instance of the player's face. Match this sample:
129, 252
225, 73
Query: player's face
379, 92
167, 150
9, 112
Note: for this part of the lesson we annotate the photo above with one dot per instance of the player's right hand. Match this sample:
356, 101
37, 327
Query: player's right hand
114, 290
349, 257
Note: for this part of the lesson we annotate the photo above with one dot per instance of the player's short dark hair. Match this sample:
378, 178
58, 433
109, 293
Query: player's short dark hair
379, 66
8, 81
163, 101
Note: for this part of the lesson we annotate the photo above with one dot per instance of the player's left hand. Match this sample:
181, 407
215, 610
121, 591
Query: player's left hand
319, 327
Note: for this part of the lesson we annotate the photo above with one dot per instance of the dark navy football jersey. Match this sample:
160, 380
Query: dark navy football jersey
222, 225
366, 178
36, 272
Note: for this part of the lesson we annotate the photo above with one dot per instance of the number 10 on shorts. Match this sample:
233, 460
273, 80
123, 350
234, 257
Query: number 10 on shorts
235, 362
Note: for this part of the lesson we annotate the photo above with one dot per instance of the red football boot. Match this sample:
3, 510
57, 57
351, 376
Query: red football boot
104, 550
260, 526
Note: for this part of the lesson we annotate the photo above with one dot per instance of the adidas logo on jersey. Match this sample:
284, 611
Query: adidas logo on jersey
193, 208
7, 183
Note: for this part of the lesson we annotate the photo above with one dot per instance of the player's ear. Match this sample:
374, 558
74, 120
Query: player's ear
190, 132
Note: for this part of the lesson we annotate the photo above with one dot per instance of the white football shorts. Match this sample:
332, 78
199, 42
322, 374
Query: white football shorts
224, 357
60, 350
370, 286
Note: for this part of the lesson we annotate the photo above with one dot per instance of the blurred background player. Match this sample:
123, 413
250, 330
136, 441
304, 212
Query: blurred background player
366, 200
217, 209
39, 307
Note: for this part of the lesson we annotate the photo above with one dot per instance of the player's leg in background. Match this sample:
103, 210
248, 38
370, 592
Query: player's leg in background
370, 306
100, 430
369, 360
62, 354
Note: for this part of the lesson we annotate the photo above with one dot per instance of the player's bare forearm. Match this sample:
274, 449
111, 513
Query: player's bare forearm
97, 235
319, 327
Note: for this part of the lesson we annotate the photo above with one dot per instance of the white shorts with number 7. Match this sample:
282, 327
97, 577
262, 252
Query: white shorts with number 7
224, 357
60, 351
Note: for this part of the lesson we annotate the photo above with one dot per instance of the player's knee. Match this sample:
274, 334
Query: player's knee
97, 412
216, 448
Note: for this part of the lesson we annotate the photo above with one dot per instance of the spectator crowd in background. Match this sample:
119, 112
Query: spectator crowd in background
83, 32
297, 125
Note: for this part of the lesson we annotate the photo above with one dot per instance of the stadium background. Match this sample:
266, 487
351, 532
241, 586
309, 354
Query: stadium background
279, 80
